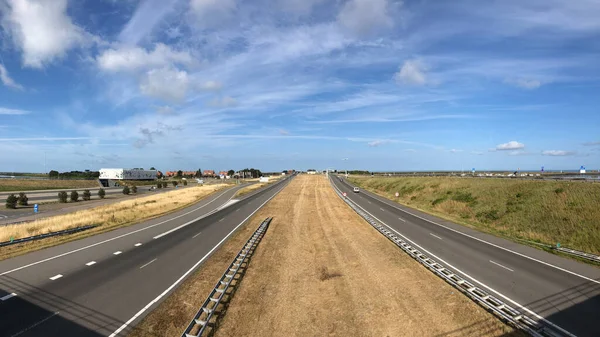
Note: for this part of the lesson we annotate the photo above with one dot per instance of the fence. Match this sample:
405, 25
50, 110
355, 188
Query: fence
47, 235
229, 280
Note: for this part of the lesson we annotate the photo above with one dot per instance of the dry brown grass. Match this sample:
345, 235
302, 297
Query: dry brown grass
249, 189
311, 276
112, 215
19, 185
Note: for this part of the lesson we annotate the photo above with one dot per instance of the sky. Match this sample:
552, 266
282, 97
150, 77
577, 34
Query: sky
297, 84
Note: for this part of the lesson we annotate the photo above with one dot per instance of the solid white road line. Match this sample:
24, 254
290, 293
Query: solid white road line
497, 246
35, 324
117, 252
189, 270
56, 277
138, 244
147, 263
221, 219
108, 240
193, 237
401, 219
469, 276
499, 265
11, 295
91, 263
190, 222
435, 236
383, 210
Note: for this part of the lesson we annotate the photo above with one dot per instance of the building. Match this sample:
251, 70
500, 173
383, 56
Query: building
208, 173
183, 173
108, 175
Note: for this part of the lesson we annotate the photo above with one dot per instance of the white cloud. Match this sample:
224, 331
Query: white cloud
165, 83
365, 17
300, 7
42, 30
512, 145
455, 151
376, 143
7, 111
525, 83
591, 143
127, 58
557, 153
284, 132
477, 153
223, 102
212, 13
166, 110
411, 72
9, 82
211, 86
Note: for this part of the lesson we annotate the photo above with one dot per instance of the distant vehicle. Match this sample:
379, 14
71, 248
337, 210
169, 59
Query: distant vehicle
200, 181
152, 188
356, 190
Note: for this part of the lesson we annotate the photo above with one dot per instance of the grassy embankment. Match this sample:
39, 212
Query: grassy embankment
109, 217
20, 185
542, 211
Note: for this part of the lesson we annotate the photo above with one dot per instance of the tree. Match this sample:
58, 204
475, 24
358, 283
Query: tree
164, 184
133, 189
152, 168
74, 196
158, 185
11, 201
53, 174
86, 195
199, 173
185, 183
126, 190
101, 193
23, 199
175, 183
62, 197
179, 173
230, 173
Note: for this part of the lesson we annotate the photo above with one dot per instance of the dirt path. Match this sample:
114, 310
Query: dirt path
322, 271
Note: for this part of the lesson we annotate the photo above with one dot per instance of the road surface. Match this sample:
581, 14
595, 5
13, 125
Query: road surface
555, 290
105, 284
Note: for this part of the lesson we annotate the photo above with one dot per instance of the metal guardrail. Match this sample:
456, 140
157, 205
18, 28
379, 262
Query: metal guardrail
203, 317
47, 235
565, 250
489, 302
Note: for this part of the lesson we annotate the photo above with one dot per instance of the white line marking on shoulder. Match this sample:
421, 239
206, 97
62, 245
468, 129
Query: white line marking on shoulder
499, 265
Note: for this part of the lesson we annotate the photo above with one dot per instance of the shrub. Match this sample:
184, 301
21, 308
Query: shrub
11, 201
185, 183
559, 190
164, 184
490, 215
126, 190
23, 199
464, 197
174, 182
62, 197
438, 201
74, 196
133, 189
159, 185
86, 195
101, 193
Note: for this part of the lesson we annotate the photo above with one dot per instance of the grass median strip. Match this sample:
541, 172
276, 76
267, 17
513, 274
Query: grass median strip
108, 217
18, 185
321, 270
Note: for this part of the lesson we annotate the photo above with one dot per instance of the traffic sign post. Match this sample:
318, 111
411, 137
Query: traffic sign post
397, 194
344, 194
35, 208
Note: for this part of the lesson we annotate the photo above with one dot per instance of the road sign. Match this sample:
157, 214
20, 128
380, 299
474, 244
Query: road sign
35, 208
397, 194
344, 194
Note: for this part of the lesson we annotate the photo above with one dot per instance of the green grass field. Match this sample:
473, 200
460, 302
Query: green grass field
541, 211
18, 185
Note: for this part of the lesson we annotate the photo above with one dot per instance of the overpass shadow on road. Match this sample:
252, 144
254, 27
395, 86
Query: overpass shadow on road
35, 312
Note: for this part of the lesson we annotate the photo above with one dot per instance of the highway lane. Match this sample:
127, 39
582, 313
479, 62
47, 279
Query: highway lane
95, 291
563, 292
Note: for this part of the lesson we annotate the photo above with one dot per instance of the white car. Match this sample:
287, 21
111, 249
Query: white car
356, 190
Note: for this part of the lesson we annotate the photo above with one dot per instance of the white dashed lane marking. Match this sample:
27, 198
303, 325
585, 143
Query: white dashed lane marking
196, 235
138, 244
401, 219
117, 252
435, 236
147, 263
56, 277
90, 263
7, 296
499, 265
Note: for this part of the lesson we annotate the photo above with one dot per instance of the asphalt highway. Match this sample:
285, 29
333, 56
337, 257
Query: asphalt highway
559, 292
105, 284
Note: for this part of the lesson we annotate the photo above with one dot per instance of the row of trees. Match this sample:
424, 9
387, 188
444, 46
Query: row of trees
74, 195
87, 175
12, 200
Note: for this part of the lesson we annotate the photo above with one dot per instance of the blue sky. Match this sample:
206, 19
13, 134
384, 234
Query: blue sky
278, 84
